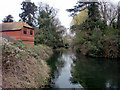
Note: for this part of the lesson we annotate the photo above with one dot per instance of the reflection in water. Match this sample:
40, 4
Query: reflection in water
96, 73
77, 71
62, 70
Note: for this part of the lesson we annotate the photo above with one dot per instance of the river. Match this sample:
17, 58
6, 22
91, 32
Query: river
71, 70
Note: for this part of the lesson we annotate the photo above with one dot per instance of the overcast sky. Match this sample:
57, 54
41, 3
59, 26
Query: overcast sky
13, 7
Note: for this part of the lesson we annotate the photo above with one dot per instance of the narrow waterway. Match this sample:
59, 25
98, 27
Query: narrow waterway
70, 70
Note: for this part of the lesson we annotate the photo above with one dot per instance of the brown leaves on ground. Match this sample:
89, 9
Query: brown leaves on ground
22, 69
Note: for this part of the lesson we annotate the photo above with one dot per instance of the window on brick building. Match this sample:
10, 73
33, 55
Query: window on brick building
25, 31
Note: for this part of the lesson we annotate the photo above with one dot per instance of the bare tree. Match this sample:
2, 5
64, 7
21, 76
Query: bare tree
49, 10
118, 15
108, 12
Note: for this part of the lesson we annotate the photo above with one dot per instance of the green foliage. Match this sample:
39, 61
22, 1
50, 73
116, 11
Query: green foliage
19, 56
102, 25
28, 14
79, 39
48, 27
21, 45
95, 51
93, 21
93, 12
98, 43
8, 18
6, 49
34, 52
80, 6
112, 31
80, 18
94, 37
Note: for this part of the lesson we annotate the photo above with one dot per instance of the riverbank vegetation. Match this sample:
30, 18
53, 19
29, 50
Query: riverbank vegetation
24, 66
99, 33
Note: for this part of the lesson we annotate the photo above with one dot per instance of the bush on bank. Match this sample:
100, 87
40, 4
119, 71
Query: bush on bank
24, 66
98, 43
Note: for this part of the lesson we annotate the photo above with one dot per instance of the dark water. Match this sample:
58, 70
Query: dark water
70, 70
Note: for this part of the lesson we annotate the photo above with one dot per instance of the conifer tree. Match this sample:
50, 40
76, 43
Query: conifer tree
8, 18
28, 14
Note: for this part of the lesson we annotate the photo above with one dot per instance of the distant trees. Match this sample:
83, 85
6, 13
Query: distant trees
8, 18
80, 17
28, 15
48, 28
99, 33
80, 6
49, 31
93, 13
108, 13
100, 14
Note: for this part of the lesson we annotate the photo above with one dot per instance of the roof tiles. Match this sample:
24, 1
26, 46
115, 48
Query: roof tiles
13, 26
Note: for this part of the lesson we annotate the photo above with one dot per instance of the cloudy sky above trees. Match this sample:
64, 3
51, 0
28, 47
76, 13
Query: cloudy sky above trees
13, 7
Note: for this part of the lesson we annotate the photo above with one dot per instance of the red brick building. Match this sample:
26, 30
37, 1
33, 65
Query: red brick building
19, 31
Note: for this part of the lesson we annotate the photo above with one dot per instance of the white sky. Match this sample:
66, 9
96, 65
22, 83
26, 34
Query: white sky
13, 7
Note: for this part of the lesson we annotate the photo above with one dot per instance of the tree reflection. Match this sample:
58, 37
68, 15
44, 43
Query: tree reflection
55, 64
96, 73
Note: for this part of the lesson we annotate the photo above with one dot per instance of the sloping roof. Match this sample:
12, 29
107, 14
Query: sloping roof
13, 26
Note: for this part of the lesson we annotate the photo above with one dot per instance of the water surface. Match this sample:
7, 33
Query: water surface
70, 70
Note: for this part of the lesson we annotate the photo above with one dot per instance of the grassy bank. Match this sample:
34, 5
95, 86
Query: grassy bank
24, 66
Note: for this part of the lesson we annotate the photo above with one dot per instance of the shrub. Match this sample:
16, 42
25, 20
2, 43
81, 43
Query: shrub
6, 49
79, 39
21, 45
